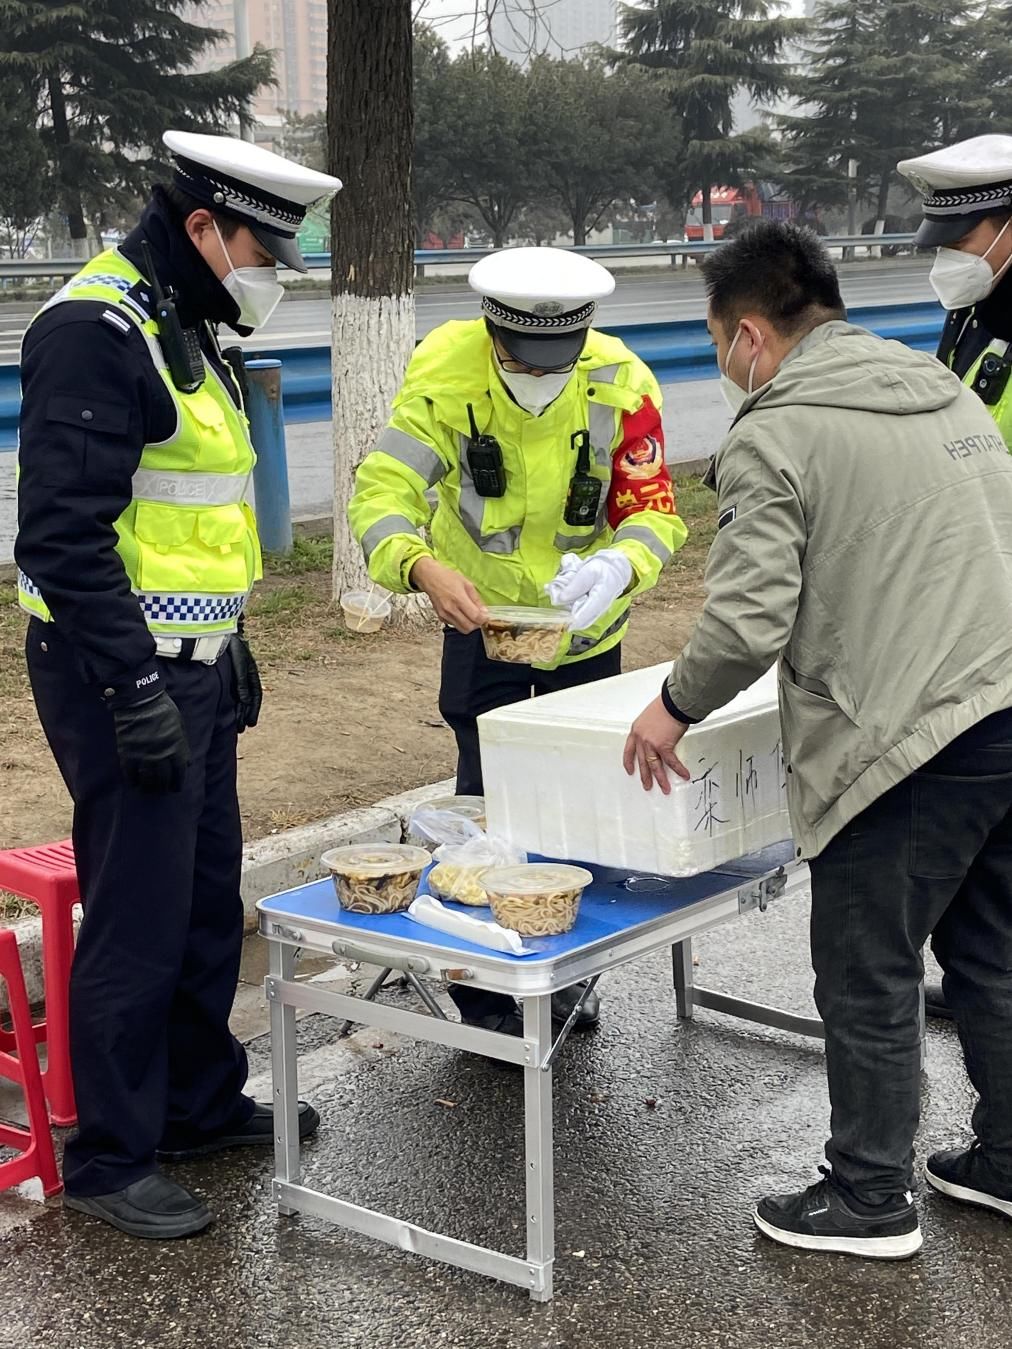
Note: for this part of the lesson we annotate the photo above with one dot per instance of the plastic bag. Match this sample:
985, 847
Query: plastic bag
464, 854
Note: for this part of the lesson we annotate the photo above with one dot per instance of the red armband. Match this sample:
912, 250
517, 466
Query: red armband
640, 480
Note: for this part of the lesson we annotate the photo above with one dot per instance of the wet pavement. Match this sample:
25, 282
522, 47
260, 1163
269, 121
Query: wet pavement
655, 1245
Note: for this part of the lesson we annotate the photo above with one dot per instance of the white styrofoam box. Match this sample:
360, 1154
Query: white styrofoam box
555, 785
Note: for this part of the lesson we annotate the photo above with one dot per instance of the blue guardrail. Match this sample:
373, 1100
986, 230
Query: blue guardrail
674, 351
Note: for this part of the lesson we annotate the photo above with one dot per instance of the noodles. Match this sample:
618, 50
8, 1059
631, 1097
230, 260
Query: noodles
449, 880
519, 643
376, 894
378, 879
537, 915
539, 899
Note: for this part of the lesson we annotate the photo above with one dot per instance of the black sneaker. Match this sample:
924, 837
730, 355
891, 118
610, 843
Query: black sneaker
967, 1176
823, 1218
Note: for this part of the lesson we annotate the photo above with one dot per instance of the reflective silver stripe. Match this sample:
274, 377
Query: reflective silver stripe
472, 511
419, 457
581, 643
602, 432
191, 489
645, 536
605, 375
385, 529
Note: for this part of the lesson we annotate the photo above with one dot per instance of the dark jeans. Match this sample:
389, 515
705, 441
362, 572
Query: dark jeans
472, 684
930, 858
157, 960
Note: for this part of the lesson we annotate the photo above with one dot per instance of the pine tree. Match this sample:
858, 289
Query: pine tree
706, 53
883, 80
114, 74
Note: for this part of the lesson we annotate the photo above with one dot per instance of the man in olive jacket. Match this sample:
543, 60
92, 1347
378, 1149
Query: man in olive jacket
865, 513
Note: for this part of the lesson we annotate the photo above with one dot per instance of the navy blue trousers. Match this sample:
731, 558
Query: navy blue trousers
157, 959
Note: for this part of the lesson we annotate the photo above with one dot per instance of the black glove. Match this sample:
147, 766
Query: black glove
152, 745
249, 693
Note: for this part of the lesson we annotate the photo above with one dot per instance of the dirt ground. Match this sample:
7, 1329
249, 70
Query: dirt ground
347, 719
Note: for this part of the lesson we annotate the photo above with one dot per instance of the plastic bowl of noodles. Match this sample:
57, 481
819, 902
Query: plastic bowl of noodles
537, 899
376, 878
524, 636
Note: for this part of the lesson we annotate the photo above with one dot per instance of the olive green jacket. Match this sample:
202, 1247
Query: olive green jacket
865, 542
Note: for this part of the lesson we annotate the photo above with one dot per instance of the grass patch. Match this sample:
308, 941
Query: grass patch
284, 600
697, 505
13, 907
310, 552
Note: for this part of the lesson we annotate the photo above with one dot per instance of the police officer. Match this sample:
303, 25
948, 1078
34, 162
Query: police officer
968, 219
542, 441
136, 552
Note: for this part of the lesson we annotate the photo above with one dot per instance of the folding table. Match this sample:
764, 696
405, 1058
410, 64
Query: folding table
622, 916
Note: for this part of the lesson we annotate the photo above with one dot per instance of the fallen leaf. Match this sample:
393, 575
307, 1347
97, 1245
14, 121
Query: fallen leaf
577, 1255
450, 1105
651, 1103
599, 1099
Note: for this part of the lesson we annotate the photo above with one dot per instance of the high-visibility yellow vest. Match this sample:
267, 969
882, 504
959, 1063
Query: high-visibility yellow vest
1002, 410
510, 546
188, 540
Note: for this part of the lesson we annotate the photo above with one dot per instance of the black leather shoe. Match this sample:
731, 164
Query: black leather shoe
258, 1131
935, 1005
154, 1207
564, 1001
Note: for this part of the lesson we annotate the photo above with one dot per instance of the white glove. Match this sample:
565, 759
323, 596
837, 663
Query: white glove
590, 586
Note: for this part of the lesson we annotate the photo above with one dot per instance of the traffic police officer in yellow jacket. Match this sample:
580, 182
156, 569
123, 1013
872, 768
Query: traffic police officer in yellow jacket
136, 552
542, 441
967, 206
968, 219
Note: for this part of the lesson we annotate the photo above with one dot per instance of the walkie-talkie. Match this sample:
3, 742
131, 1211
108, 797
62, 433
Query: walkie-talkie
180, 346
584, 491
485, 462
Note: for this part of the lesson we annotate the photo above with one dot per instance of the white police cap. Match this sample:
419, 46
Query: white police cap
266, 192
541, 301
961, 185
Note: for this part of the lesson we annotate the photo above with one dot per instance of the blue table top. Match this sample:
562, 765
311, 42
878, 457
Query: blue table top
607, 910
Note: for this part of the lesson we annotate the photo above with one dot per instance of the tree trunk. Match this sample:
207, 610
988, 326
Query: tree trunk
579, 230
369, 146
707, 215
70, 197
885, 182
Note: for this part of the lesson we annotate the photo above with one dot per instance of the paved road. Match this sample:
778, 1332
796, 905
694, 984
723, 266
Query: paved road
656, 1248
665, 296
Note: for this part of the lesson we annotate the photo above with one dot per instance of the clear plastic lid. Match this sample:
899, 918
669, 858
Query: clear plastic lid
535, 878
375, 859
470, 807
517, 616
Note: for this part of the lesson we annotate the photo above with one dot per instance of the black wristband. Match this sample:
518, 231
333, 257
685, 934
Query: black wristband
673, 710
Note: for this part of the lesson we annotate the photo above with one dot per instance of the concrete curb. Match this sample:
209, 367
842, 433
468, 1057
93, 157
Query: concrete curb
279, 862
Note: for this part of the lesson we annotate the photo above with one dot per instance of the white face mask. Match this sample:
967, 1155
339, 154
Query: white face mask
534, 392
960, 279
256, 290
734, 394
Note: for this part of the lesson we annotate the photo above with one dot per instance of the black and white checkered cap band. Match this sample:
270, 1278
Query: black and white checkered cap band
217, 189
946, 202
522, 321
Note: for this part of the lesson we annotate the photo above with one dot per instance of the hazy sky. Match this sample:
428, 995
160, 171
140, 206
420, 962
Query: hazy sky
455, 18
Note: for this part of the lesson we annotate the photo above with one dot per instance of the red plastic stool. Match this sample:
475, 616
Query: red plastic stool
35, 1144
47, 876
